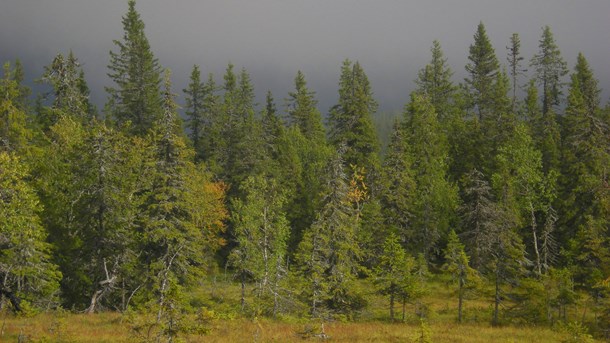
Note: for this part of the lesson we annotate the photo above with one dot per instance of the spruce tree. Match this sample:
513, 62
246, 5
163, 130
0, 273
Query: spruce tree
350, 122
434, 80
549, 68
26, 268
584, 181
394, 273
457, 263
435, 198
261, 231
194, 110
14, 133
328, 254
302, 110
514, 59
136, 96
70, 90
482, 69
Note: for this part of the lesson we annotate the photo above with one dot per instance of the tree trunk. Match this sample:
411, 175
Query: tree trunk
535, 239
497, 298
15, 301
392, 307
460, 299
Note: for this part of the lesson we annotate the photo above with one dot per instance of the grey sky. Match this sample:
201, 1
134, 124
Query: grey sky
273, 39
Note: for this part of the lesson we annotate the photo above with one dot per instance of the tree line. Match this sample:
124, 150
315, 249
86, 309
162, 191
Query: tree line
132, 206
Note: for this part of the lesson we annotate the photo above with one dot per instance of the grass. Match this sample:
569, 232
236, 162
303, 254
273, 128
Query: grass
228, 326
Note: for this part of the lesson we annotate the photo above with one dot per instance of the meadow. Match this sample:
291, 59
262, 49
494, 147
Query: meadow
225, 323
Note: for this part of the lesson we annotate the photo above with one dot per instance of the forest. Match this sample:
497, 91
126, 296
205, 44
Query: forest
141, 206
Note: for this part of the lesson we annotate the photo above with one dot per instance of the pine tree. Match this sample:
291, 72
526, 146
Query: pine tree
136, 97
23, 101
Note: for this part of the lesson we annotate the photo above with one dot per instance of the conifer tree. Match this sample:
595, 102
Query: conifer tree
261, 231
23, 101
584, 178
549, 68
70, 89
174, 231
136, 96
302, 110
514, 59
398, 196
394, 273
328, 253
14, 133
350, 122
26, 269
194, 109
482, 69
435, 198
434, 80
457, 264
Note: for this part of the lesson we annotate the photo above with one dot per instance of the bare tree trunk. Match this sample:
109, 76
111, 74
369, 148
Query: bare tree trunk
535, 239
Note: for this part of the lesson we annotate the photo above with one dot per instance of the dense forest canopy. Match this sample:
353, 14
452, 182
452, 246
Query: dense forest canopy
130, 206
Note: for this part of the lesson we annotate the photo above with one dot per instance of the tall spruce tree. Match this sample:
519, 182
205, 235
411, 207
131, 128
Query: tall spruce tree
457, 263
70, 89
435, 198
14, 133
584, 184
136, 96
302, 110
515, 69
434, 80
482, 69
549, 68
350, 122
328, 254
26, 269
261, 232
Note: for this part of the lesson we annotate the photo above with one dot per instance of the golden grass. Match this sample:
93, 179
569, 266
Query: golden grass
108, 327
371, 326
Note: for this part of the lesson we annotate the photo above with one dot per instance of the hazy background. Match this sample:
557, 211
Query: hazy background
273, 39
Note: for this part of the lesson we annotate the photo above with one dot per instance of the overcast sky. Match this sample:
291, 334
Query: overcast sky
273, 39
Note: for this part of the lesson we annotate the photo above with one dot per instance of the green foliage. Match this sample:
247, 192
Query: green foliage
435, 199
25, 257
350, 122
328, 253
261, 232
136, 97
394, 274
